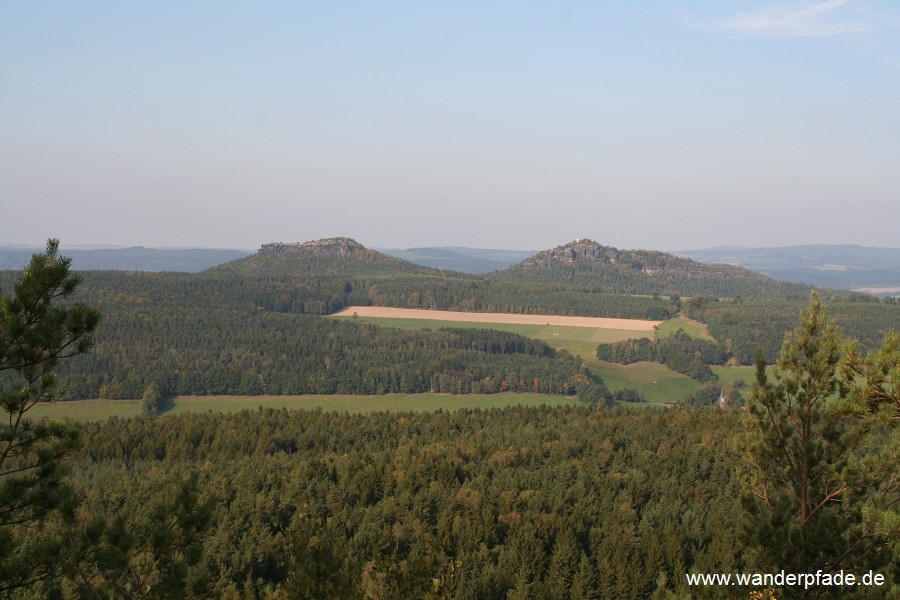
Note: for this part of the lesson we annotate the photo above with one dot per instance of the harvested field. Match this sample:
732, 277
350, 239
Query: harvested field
506, 318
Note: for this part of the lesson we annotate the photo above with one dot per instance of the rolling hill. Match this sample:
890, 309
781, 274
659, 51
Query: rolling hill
329, 256
136, 258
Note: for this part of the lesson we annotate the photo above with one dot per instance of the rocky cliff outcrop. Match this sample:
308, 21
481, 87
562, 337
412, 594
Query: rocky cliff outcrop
579, 250
648, 262
339, 246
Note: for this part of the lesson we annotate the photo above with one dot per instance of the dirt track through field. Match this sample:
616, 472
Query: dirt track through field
473, 317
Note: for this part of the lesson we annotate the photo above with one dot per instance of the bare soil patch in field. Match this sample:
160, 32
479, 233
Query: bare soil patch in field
473, 317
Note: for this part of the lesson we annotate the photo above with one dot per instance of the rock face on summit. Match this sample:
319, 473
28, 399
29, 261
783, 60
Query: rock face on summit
587, 250
330, 256
647, 262
340, 246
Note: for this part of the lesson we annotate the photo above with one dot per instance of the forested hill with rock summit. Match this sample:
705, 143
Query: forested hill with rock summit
588, 264
331, 256
583, 265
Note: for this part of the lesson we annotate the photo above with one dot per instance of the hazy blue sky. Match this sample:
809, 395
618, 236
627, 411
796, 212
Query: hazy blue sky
666, 125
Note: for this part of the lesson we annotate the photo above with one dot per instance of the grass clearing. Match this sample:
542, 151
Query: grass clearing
100, 410
728, 375
87, 410
608, 336
366, 404
585, 350
552, 333
695, 329
656, 382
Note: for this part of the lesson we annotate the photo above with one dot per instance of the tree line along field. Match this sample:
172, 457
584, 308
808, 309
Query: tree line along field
655, 382
255, 326
652, 380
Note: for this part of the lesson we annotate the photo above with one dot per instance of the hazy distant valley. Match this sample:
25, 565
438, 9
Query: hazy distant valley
135, 258
872, 270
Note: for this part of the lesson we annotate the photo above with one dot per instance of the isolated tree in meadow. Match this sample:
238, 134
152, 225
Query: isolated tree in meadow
38, 328
151, 401
805, 473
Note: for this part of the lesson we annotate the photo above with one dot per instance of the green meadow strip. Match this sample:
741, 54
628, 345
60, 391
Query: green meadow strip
100, 410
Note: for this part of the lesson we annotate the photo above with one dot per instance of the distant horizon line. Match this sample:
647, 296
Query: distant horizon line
722, 247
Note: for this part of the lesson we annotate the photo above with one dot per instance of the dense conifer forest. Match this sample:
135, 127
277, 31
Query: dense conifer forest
571, 503
525, 503
193, 352
747, 324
